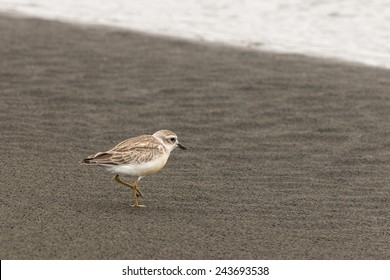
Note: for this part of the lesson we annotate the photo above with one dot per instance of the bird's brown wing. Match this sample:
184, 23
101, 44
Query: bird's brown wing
131, 151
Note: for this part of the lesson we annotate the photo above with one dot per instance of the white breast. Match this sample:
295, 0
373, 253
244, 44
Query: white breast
141, 169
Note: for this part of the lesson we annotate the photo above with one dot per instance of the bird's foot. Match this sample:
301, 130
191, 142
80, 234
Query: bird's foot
138, 206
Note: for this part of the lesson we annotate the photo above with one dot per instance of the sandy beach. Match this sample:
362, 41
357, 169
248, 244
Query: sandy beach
288, 156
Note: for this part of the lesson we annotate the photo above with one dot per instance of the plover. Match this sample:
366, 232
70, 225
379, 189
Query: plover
139, 156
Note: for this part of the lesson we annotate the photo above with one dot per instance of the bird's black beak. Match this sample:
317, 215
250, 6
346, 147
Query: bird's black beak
181, 146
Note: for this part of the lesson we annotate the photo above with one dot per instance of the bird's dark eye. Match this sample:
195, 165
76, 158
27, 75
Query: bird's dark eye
173, 139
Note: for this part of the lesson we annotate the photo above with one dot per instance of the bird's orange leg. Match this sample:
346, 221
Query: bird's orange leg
135, 192
118, 180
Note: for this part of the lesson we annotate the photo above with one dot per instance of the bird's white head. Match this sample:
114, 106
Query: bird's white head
168, 139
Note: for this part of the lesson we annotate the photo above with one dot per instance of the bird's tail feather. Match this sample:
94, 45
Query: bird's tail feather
99, 158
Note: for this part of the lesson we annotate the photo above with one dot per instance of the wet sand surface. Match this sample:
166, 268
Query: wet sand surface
289, 156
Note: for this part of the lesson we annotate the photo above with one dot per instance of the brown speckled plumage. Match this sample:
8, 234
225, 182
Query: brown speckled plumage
135, 150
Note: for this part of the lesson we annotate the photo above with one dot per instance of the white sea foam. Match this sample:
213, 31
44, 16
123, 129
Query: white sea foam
354, 30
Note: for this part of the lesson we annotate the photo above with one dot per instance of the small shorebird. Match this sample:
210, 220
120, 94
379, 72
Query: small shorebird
139, 156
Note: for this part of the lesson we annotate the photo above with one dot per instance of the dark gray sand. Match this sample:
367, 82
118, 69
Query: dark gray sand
289, 156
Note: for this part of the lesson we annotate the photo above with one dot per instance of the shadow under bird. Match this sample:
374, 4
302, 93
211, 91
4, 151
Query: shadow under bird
138, 156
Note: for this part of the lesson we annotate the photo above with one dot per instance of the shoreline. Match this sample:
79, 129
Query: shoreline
200, 41
287, 155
